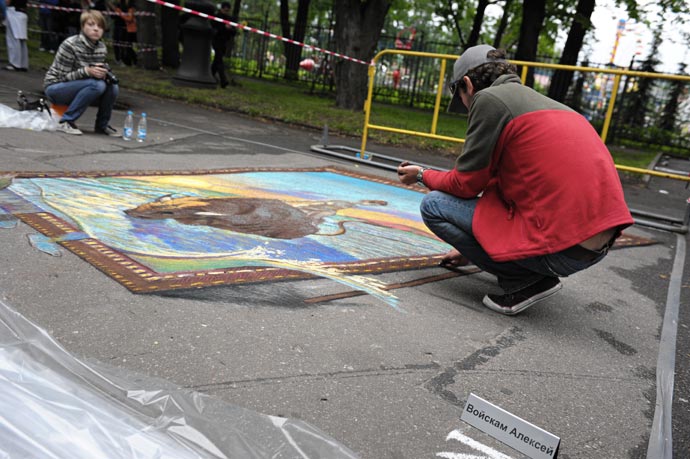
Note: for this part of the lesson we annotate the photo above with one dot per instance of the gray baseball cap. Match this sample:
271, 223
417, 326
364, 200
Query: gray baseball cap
471, 58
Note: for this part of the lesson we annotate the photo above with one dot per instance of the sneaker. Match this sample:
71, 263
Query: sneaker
514, 303
108, 130
68, 127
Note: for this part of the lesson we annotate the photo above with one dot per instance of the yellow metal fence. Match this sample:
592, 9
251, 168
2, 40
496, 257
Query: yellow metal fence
525, 66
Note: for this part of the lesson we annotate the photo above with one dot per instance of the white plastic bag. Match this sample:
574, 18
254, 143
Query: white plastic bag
56, 406
31, 119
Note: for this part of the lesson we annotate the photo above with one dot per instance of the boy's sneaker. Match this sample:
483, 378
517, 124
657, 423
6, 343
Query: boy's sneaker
513, 303
108, 130
68, 127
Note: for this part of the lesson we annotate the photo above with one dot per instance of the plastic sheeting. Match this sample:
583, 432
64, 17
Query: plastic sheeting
53, 405
30, 119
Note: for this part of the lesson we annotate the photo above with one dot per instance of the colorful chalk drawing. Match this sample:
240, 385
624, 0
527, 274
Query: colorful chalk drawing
159, 232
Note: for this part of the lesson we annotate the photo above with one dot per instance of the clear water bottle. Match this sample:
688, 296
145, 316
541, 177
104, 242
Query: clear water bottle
129, 126
141, 128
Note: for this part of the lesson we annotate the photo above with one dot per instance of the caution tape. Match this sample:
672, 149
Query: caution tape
79, 10
257, 31
142, 48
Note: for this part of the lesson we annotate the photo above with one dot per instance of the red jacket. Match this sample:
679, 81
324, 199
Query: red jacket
548, 181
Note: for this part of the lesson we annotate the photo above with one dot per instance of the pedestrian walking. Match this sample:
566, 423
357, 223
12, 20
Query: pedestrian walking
222, 33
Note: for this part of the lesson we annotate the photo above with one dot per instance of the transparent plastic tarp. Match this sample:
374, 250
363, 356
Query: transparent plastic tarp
53, 405
29, 119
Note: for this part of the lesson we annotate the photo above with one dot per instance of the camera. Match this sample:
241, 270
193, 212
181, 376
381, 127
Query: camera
110, 77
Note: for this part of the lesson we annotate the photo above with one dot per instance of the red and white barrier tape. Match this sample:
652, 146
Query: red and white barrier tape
79, 10
257, 31
142, 48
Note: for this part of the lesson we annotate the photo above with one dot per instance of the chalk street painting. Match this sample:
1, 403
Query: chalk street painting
154, 232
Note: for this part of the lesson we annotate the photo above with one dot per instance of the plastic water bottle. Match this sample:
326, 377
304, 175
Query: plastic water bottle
141, 128
129, 126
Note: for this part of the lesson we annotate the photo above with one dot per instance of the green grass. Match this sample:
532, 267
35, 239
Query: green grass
292, 103
632, 158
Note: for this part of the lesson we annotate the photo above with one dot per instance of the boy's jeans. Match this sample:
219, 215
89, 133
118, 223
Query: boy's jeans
79, 94
450, 218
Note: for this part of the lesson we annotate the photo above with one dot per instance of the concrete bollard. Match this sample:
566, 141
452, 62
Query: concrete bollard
195, 67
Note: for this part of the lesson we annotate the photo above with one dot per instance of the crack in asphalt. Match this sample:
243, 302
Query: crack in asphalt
383, 370
438, 385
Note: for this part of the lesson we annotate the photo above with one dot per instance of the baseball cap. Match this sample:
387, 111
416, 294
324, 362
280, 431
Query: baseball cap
471, 58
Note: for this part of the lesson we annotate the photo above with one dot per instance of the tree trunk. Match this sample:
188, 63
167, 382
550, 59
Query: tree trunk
357, 31
477, 23
146, 35
293, 53
533, 13
503, 25
581, 24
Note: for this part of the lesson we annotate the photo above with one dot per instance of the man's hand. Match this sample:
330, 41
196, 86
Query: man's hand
407, 173
97, 71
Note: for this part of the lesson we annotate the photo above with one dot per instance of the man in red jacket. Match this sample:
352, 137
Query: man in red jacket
534, 195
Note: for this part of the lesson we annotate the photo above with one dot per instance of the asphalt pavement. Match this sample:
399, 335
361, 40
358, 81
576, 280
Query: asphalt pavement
385, 382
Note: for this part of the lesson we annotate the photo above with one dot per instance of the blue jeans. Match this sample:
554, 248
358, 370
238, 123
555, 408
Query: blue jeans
450, 218
79, 94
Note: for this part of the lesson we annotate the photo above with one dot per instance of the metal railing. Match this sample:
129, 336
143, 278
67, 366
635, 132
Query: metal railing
432, 133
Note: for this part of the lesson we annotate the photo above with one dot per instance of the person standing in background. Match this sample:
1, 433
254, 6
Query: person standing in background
16, 35
61, 21
3, 10
73, 17
222, 34
45, 19
125, 33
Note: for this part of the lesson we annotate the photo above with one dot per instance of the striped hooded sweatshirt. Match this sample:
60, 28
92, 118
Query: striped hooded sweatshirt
547, 181
75, 53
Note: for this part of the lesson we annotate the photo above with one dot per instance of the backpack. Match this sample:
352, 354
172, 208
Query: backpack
25, 104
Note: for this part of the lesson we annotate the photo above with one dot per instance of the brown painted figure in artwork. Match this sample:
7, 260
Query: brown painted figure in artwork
263, 217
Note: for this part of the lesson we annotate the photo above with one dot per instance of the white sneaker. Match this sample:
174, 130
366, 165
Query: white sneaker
69, 127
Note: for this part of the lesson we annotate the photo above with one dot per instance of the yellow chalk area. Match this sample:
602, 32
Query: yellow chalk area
210, 183
386, 219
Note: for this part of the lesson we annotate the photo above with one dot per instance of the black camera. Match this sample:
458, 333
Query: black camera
110, 77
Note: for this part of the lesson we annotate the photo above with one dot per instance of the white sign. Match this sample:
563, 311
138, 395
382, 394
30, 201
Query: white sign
505, 427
